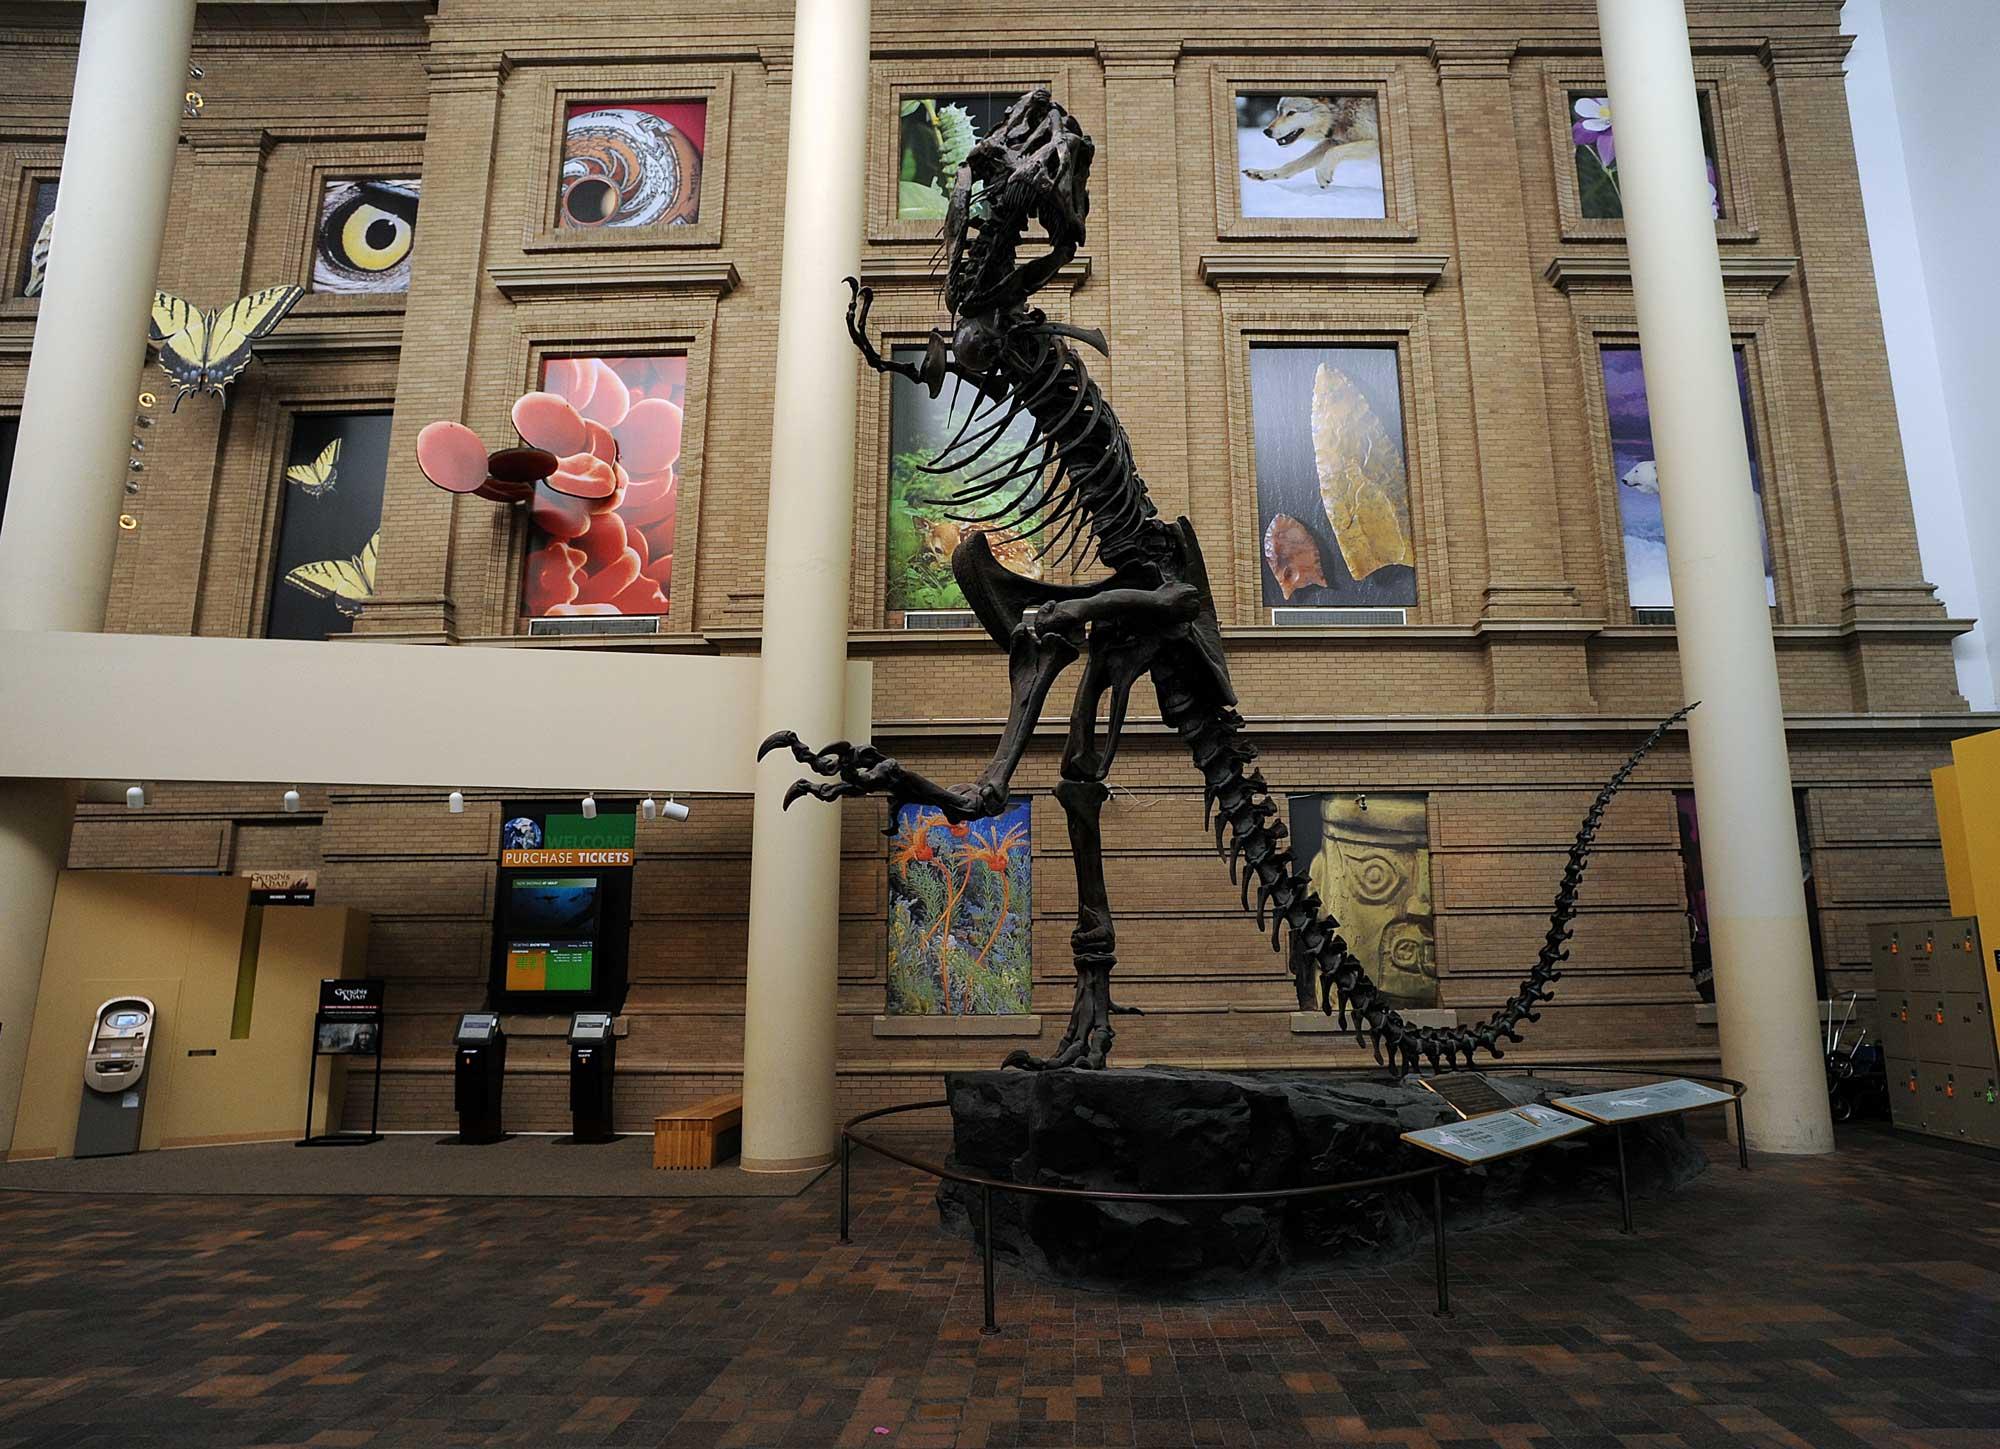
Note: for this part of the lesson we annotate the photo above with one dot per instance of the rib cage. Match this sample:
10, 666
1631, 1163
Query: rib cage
1076, 468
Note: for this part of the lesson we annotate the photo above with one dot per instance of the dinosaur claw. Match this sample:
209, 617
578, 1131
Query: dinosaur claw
798, 790
777, 740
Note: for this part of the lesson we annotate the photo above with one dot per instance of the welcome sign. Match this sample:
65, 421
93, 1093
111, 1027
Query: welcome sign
568, 839
562, 905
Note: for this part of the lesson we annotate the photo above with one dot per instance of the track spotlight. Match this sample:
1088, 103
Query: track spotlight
291, 802
1361, 802
649, 809
674, 810
135, 797
456, 800
590, 807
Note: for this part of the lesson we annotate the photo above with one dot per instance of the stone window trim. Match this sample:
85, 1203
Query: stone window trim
680, 326
348, 161
1382, 79
290, 389
891, 83
1750, 330
1715, 84
554, 90
906, 309
1315, 321
23, 168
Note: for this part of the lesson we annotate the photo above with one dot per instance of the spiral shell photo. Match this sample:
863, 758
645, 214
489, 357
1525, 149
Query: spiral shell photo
632, 165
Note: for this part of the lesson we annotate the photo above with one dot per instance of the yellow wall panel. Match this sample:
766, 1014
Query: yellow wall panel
178, 941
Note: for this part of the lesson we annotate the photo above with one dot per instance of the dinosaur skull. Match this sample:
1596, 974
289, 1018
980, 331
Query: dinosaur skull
1035, 166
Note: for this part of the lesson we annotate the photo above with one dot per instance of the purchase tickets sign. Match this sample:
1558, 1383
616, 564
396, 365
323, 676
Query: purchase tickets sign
566, 856
536, 840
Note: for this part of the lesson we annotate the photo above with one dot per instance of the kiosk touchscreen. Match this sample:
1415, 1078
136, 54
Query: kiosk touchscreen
479, 1071
114, 1078
593, 1056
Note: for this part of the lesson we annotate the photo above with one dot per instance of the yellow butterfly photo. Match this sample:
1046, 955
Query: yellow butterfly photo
348, 582
204, 351
318, 476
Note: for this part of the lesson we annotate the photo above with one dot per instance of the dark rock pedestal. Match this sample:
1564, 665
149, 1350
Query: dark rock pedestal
1168, 1129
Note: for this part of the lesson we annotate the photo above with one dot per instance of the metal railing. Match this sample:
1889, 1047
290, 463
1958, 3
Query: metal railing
850, 1139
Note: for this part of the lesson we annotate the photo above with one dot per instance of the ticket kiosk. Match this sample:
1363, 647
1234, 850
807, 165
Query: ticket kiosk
479, 1072
593, 1058
114, 1078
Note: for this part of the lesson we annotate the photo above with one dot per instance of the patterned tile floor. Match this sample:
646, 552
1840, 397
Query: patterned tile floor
1851, 1300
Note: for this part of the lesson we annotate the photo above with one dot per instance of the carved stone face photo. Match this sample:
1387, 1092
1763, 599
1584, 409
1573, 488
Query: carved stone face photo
1372, 869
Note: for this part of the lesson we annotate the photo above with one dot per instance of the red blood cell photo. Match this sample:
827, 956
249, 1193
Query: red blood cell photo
603, 540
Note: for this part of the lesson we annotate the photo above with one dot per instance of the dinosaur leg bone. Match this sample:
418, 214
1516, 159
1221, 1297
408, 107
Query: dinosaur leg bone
1087, 1040
1115, 662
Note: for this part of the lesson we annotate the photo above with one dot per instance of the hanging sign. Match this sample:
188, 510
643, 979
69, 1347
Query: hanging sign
283, 887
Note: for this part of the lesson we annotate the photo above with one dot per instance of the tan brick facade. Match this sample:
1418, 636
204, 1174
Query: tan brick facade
1518, 683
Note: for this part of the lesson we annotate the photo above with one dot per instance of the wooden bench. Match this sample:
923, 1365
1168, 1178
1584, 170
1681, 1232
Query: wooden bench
700, 1135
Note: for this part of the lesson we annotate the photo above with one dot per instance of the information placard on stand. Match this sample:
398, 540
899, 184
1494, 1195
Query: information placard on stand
347, 1024
1636, 1104
1497, 1134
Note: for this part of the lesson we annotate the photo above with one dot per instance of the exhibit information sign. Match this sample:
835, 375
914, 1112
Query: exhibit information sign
348, 1023
1469, 1094
1633, 1104
1498, 1134
349, 1020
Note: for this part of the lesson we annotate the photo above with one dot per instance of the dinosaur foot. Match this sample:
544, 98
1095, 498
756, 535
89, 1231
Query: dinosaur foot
1087, 1042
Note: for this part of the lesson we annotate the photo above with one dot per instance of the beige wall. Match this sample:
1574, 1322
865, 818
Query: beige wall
338, 714
178, 941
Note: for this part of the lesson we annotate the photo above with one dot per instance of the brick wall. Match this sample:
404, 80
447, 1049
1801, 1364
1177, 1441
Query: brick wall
1517, 686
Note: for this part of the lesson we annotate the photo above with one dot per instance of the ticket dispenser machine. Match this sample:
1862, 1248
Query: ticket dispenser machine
114, 1078
481, 1067
593, 1057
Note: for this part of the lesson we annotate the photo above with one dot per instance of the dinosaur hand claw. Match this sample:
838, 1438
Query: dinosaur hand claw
778, 740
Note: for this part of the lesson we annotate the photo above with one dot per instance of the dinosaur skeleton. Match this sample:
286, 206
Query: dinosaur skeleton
1074, 488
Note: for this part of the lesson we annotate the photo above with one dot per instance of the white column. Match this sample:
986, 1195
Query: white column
67, 487
1765, 1000
789, 1014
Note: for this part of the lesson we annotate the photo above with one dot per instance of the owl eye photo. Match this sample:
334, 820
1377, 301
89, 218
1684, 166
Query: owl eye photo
367, 231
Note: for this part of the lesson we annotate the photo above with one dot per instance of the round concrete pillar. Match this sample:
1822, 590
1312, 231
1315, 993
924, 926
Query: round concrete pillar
1765, 999
67, 486
789, 1014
